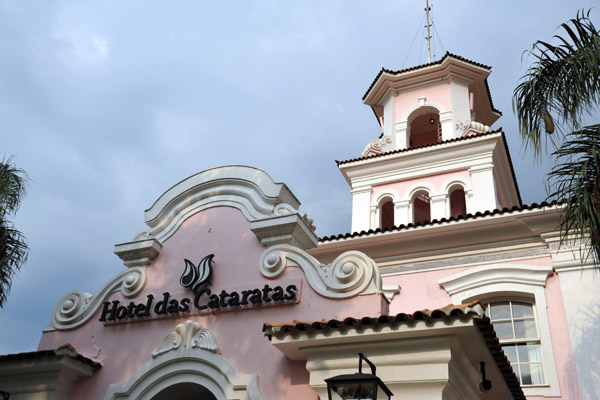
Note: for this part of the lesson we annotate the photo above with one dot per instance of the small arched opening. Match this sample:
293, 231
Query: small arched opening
386, 213
185, 391
421, 207
458, 205
425, 127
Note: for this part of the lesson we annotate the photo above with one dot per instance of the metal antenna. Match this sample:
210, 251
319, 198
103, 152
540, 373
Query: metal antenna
427, 9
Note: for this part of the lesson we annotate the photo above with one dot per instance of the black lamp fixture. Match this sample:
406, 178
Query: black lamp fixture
485, 385
358, 386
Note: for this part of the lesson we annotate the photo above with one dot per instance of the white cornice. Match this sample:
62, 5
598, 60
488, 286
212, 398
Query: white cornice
248, 189
496, 274
517, 228
443, 157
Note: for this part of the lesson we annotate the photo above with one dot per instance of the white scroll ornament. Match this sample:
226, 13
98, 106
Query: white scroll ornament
350, 274
76, 307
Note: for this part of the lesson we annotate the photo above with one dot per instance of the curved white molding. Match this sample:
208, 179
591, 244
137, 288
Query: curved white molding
421, 104
187, 364
385, 193
250, 190
411, 191
350, 274
515, 274
76, 307
458, 180
188, 335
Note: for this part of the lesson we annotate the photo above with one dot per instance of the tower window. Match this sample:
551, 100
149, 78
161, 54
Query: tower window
457, 201
386, 210
421, 207
425, 128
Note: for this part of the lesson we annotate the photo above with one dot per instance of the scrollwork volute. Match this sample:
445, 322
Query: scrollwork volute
350, 274
189, 335
76, 307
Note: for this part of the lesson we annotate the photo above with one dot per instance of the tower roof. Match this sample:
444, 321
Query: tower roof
449, 67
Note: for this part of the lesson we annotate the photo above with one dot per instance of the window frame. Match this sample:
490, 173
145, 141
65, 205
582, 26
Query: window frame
488, 302
518, 282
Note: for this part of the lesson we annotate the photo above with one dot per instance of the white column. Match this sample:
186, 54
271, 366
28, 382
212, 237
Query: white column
389, 115
401, 135
402, 212
374, 217
439, 206
361, 208
447, 125
469, 206
484, 188
459, 92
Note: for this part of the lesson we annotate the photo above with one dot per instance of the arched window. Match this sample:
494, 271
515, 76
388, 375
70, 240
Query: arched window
421, 207
386, 212
425, 127
458, 205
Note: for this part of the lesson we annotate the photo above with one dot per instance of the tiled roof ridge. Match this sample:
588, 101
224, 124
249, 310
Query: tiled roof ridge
505, 210
387, 153
448, 310
417, 67
474, 308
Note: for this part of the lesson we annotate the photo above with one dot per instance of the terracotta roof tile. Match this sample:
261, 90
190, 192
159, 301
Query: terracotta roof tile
474, 309
459, 139
417, 67
469, 216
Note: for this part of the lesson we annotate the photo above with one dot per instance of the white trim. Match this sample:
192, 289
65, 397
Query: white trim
386, 193
375, 220
511, 281
187, 363
420, 104
250, 190
411, 191
457, 180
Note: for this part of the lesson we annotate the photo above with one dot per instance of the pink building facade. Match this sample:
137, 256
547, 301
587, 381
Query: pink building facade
444, 277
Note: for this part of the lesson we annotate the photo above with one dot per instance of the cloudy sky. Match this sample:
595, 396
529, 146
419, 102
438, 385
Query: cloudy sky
106, 104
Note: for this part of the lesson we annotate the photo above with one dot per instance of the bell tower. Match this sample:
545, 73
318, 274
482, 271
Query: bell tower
436, 156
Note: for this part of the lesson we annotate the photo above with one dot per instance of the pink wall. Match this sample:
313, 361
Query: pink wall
123, 348
420, 290
438, 93
437, 181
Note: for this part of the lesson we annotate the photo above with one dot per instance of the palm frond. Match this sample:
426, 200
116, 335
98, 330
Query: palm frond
562, 85
13, 248
576, 181
13, 187
13, 255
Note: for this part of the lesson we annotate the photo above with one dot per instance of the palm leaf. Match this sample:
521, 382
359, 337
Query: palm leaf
576, 182
562, 86
13, 248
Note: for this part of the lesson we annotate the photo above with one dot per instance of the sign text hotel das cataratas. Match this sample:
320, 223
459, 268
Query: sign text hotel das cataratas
204, 300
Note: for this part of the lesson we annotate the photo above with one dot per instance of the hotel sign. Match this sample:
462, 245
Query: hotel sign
204, 300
